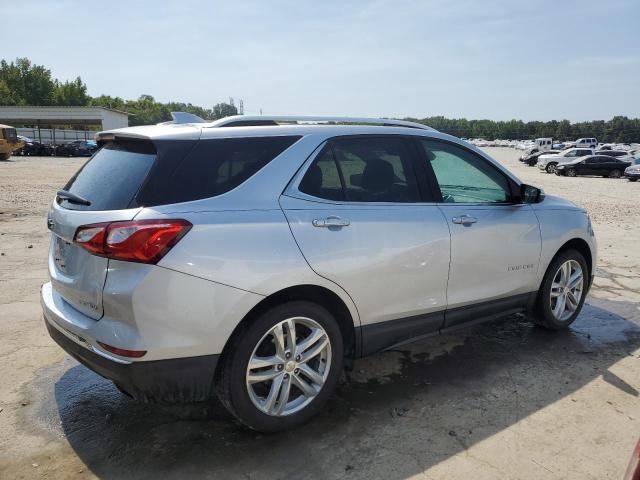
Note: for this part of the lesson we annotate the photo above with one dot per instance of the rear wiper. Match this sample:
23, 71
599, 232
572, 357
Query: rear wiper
72, 198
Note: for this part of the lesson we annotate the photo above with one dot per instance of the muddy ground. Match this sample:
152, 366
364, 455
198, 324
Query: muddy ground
499, 401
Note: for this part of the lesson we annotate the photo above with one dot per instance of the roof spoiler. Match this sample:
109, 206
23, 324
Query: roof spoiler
180, 118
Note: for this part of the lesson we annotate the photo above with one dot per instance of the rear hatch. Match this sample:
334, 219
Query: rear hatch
110, 181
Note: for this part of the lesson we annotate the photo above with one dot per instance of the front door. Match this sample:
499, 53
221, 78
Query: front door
361, 218
495, 243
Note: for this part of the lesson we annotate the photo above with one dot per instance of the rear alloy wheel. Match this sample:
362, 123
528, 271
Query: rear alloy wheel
571, 172
615, 174
551, 168
280, 371
563, 291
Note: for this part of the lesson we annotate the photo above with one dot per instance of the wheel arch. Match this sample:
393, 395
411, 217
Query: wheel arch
311, 293
581, 246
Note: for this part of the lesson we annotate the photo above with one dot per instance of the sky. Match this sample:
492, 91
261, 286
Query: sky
529, 60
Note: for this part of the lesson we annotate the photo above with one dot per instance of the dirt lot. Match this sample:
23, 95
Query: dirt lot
500, 401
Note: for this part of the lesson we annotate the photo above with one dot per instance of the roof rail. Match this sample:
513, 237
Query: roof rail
258, 120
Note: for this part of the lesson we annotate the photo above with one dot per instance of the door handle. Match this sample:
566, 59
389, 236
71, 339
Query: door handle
464, 220
331, 221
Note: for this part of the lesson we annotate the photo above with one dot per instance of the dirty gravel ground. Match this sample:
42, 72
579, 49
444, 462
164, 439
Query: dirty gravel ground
499, 401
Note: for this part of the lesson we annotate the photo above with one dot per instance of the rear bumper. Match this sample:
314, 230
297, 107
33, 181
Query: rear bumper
172, 380
177, 380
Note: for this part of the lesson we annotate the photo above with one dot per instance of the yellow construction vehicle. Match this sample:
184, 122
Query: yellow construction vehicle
9, 141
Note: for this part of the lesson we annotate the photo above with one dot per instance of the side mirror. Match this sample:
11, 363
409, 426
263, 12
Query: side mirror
531, 194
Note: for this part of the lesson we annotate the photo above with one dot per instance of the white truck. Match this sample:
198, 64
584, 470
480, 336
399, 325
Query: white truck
538, 145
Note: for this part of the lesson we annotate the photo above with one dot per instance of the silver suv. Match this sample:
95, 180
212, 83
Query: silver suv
252, 258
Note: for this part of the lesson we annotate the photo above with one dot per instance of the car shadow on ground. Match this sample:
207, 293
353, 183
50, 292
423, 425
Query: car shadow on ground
397, 414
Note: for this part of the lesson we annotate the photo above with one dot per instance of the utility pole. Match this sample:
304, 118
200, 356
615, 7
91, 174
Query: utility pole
241, 108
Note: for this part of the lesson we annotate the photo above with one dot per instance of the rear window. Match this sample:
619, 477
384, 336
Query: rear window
215, 167
113, 176
120, 175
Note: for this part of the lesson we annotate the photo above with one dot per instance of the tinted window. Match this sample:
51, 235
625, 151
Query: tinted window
464, 177
215, 167
112, 177
369, 169
322, 180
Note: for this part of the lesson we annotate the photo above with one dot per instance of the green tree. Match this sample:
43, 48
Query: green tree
6, 96
28, 84
222, 110
72, 93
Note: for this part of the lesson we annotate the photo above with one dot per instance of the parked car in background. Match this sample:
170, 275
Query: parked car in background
548, 162
190, 260
532, 159
601, 165
632, 172
622, 154
586, 143
539, 145
9, 141
77, 148
33, 147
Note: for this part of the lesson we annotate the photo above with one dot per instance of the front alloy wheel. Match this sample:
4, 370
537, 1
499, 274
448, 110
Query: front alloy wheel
566, 290
551, 168
289, 366
563, 291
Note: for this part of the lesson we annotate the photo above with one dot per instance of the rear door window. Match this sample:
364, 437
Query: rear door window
217, 166
113, 176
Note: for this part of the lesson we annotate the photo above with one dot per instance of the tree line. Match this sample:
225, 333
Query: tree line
619, 129
23, 83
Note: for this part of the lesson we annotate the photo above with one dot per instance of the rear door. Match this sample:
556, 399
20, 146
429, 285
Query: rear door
109, 181
495, 242
362, 218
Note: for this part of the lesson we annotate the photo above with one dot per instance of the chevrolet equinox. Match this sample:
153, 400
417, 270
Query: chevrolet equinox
252, 257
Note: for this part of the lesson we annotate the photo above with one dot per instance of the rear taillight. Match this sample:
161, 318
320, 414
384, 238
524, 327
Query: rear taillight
144, 241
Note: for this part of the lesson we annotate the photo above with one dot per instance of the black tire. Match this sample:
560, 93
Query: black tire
5, 156
542, 313
615, 174
230, 381
571, 172
551, 167
633, 179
